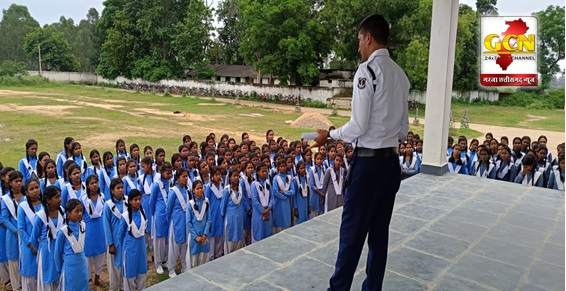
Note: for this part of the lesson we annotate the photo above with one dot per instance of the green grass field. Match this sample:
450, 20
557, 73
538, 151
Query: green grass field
96, 117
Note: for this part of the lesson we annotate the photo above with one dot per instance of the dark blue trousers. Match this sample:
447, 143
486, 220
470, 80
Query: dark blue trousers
368, 205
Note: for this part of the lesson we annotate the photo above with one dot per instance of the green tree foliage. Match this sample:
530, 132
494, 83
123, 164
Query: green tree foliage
414, 60
191, 41
486, 7
15, 25
12, 68
55, 49
229, 34
551, 41
466, 63
286, 38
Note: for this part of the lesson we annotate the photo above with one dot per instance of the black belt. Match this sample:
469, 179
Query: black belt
378, 153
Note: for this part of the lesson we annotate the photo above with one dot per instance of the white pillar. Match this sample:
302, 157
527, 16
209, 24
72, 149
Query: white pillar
439, 85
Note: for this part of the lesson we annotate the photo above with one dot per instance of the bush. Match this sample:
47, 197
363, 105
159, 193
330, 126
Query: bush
520, 99
312, 103
11, 68
540, 104
533, 100
556, 98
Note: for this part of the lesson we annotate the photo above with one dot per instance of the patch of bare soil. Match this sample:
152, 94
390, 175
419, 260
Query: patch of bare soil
10, 92
49, 110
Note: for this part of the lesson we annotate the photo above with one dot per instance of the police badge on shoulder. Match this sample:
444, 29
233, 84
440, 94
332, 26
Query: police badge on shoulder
361, 83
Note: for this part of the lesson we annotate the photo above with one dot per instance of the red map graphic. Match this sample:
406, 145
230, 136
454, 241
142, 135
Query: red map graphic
516, 27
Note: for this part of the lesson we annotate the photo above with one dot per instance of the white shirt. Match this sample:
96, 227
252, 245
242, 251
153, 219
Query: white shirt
379, 117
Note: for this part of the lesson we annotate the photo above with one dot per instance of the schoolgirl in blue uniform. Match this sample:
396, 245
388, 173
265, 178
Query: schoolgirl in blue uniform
262, 202
455, 162
204, 173
26, 217
329, 160
300, 189
309, 162
281, 199
111, 218
145, 183
556, 180
64, 155
505, 168
133, 225
177, 201
198, 223
158, 204
214, 194
95, 166
47, 223
130, 181
27, 165
232, 210
69, 255
51, 177
77, 156
120, 151
106, 174
483, 167
529, 176
135, 155
316, 184
4, 190
410, 163
74, 188
10, 204
246, 180
95, 246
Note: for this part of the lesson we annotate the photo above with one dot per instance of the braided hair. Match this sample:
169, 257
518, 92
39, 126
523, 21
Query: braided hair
27, 185
29, 144
91, 155
133, 194
5, 171
74, 146
49, 193
88, 192
13, 176
195, 184
69, 207
68, 140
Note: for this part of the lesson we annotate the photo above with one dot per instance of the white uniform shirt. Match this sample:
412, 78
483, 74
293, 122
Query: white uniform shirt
379, 117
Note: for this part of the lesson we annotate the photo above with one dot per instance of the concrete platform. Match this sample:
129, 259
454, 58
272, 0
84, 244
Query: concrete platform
452, 232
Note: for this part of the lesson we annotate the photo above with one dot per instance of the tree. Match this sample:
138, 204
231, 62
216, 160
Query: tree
286, 38
12, 68
229, 34
551, 41
414, 60
15, 25
191, 39
486, 7
466, 63
55, 49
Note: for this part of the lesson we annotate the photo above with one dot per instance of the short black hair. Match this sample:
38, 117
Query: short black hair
377, 26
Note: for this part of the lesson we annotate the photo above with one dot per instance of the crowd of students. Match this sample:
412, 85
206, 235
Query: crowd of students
61, 217
525, 162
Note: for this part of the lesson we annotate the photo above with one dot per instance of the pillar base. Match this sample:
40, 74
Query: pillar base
434, 169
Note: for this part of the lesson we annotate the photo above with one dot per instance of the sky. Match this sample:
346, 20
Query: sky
49, 11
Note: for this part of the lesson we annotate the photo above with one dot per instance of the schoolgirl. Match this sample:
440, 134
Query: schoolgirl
542, 140
308, 158
214, 194
269, 136
121, 168
542, 164
130, 181
95, 166
193, 149
455, 162
245, 136
529, 176
159, 159
51, 177
517, 154
483, 167
46, 224
300, 189
493, 147
133, 227
204, 172
316, 183
77, 156
9, 221
187, 140
350, 152
463, 141
401, 149
281, 198
556, 180
291, 170
331, 154
28, 165
69, 251
262, 204
120, 151
177, 201
95, 246
183, 154
158, 205
505, 168
410, 163
108, 172
65, 154
246, 180
26, 217
111, 218
332, 185
135, 155
192, 161
232, 211
450, 144
40, 167
177, 163
145, 184
198, 223
5, 191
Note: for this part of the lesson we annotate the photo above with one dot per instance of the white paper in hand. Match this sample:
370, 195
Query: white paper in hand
309, 135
